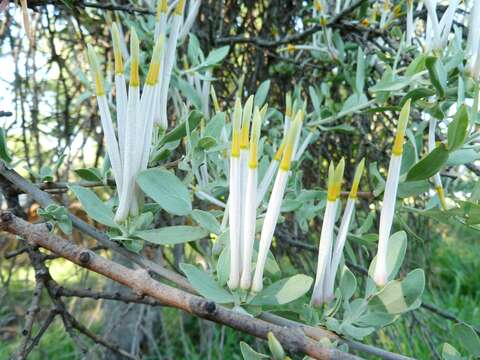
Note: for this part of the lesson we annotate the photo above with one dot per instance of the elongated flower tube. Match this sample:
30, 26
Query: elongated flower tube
169, 62
335, 176
342, 233
437, 32
120, 89
247, 114
250, 215
432, 124
193, 8
389, 198
473, 42
161, 17
273, 209
132, 154
234, 199
106, 119
410, 25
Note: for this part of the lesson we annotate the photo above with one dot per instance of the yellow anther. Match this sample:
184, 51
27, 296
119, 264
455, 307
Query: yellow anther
331, 183
154, 70
356, 179
290, 142
365, 22
339, 177
237, 116
247, 114
162, 7
97, 74
254, 138
291, 48
179, 8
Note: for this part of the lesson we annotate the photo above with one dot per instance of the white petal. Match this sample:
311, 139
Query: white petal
234, 220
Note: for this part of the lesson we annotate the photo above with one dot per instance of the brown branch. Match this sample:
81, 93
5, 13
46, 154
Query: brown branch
142, 283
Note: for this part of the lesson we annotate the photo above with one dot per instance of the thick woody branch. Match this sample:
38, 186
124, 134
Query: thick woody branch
142, 283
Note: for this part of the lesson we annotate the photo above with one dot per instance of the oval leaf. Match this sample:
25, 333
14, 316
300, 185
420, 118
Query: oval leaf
166, 189
93, 206
171, 235
206, 220
429, 165
284, 291
205, 285
457, 130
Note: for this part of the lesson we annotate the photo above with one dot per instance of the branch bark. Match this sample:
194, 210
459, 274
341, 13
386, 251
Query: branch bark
293, 339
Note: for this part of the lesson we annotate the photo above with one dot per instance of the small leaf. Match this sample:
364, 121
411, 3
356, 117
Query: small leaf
215, 56
249, 354
400, 296
348, 284
457, 129
93, 206
416, 94
166, 189
205, 285
275, 347
171, 235
261, 94
450, 353
284, 291
206, 220
180, 131
469, 339
89, 174
46, 174
438, 75
397, 247
4, 155
429, 165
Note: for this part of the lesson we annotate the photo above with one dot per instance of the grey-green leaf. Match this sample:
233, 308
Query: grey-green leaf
4, 155
429, 165
284, 291
249, 354
171, 235
204, 284
206, 220
457, 129
93, 206
469, 339
166, 189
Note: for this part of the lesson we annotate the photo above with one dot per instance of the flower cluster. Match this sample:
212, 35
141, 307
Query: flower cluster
138, 111
329, 256
246, 194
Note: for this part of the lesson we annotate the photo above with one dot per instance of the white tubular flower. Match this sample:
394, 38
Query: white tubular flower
106, 120
234, 199
149, 99
250, 206
436, 36
131, 145
473, 42
410, 24
275, 203
169, 62
342, 233
326, 236
288, 113
389, 198
120, 89
247, 115
432, 125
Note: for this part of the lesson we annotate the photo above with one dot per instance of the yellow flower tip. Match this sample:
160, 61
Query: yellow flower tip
279, 153
135, 59
154, 69
179, 8
288, 105
247, 114
339, 177
216, 106
410, 3
291, 48
365, 22
441, 196
237, 116
318, 6
356, 179
254, 138
397, 10
323, 21
290, 143
97, 74
162, 8
402, 127
117, 52
331, 183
